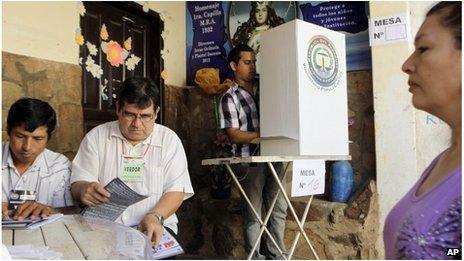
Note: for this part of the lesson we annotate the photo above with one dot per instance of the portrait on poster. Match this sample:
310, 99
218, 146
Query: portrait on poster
247, 20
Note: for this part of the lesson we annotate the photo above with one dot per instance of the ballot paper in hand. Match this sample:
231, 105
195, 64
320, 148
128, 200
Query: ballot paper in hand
122, 196
167, 247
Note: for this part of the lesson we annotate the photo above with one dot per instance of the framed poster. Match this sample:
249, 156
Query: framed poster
247, 20
213, 28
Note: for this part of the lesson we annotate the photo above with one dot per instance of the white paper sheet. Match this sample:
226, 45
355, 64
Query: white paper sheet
308, 177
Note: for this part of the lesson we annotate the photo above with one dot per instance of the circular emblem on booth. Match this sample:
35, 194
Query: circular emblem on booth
322, 63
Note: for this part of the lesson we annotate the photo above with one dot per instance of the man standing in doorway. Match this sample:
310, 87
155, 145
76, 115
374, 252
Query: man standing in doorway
239, 118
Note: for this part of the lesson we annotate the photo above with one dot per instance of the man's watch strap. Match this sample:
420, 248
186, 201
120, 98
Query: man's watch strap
158, 216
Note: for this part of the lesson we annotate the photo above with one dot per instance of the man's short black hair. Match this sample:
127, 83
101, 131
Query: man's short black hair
234, 54
32, 113
140, 91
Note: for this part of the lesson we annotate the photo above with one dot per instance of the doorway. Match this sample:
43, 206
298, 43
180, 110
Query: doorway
122, 20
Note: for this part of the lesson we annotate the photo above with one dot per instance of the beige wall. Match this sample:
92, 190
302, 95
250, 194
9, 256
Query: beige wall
46, 30
394, 118
174, 43
41, 29
405, 143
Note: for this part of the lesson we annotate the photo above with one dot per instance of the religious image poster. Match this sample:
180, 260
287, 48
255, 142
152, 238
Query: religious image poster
214, 27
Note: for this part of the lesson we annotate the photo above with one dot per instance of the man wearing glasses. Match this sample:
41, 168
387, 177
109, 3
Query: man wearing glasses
147, 156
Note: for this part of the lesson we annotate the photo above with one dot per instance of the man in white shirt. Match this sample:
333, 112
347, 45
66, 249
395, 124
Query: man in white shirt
34, 179
147, 156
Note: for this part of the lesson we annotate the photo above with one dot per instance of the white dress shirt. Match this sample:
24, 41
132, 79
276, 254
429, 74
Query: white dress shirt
49, 176
100, 158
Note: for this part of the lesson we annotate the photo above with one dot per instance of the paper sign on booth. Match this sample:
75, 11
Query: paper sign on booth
308, 177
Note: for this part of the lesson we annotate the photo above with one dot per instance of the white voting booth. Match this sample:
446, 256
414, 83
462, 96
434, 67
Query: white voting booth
303, 112
303, 95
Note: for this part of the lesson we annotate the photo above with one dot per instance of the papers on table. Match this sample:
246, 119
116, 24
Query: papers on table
32, 252
131, 243
167, 247
30, 223
122, 196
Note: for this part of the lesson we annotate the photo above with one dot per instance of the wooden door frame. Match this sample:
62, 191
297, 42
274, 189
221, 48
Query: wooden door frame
156, 60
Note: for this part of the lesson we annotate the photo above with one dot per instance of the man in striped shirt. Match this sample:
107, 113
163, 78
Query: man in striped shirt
28, 168
239, 118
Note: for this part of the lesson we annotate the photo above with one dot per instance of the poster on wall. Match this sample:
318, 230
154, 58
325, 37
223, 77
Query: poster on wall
214, 27
247, 20
349, 18
206, 38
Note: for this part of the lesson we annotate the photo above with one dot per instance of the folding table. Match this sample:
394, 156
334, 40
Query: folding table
268, 160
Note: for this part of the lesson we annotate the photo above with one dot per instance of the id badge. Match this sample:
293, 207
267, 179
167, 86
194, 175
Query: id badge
132, 169
18, 197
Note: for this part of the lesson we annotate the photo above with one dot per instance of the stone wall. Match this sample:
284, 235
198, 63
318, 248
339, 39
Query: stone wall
361, 126
56, 83
213, 228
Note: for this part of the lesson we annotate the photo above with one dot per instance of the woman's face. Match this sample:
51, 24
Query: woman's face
261, 14
434, 68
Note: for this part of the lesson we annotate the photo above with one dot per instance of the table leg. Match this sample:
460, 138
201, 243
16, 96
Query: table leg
271, 207
231, 172
297, 237
276, 177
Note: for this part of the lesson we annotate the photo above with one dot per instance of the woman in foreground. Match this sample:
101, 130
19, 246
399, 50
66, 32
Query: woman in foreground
426, 222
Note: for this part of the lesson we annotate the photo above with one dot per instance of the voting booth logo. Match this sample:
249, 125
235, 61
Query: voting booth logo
323, 65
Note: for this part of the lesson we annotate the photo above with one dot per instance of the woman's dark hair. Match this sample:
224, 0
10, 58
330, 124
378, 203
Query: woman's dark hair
450, 16
234, 54
32, 113
243, 33
140, 91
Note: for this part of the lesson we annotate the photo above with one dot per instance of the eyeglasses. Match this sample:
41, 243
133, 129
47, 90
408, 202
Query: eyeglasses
132, 116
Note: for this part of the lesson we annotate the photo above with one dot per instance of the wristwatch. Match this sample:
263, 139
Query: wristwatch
158, 216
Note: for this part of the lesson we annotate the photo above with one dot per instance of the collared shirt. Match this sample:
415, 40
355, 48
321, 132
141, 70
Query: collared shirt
99, 159
239, 110
49, 176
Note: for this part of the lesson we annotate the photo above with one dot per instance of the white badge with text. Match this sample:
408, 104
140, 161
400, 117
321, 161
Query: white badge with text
132, 168
308, 177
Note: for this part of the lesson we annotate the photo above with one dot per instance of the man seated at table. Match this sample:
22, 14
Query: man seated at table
135, 139
34, 179
239, 118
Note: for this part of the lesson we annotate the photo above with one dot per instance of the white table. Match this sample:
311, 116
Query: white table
268, 160
81, 238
